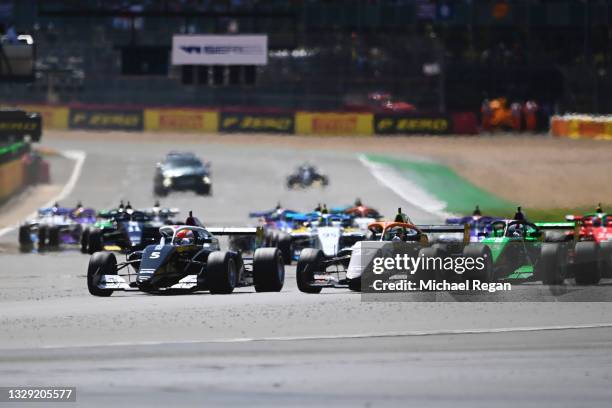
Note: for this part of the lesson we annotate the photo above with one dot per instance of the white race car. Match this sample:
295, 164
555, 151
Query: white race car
316, 271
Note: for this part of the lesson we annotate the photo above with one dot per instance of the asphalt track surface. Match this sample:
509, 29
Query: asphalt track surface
288, 348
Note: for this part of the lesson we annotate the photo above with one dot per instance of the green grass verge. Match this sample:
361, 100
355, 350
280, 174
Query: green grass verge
558, 214
461, 195
443, 183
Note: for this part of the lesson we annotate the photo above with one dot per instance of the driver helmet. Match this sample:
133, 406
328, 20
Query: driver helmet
79, 209
185, 237
398, 234
498, 231
597, 221
516, 229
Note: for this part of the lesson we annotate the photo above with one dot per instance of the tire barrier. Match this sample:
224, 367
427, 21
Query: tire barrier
581, 126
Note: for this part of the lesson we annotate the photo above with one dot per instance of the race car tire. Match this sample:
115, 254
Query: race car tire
354, 284
221, 273
268, 270
100, 263
205, 190
587, 263
606, 254
160, 191
25, 239
476, 251
94, 241
42, 236
267, 238
274, 239
284, 245
84, 240
310, 260
292, 183
54, 236
551, 267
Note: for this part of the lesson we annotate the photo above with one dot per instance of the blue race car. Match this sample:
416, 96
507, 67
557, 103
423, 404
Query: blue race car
480, 225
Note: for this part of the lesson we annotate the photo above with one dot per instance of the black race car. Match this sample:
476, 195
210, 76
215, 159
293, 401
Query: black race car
187, 258
306, 176
124, 228
182, 171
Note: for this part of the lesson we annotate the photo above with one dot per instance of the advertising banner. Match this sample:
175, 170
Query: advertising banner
181, 120
106, 119
401, 125
257, 122
219, 49
334, 123
17, 123
53, 117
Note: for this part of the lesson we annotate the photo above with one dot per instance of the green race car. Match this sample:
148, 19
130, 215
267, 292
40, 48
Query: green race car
522, 251
519, 251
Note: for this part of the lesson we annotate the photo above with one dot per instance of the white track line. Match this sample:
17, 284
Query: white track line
406, 189
414, 333
79, 158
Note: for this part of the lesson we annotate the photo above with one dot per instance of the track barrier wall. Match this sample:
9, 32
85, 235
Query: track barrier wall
181, 120
251, 120
12, 177
332, 124
53, 117
582, 127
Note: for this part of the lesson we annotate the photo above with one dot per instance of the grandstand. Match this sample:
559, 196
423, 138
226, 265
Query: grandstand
325, 55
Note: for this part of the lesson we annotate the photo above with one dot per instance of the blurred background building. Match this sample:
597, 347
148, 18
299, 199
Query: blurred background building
433, 55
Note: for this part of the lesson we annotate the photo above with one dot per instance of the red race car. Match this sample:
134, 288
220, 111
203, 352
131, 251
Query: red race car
593, 227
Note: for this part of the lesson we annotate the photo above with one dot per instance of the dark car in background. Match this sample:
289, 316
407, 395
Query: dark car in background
306, 176
182, 171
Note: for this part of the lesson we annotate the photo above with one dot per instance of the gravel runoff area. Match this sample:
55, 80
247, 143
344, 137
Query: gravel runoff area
538, 170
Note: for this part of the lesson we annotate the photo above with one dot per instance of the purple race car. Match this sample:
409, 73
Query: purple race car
479, 224
55, 226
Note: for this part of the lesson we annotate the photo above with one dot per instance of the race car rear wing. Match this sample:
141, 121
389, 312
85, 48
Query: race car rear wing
571, 217
561, 226
556, 225
233, 231
446, 229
